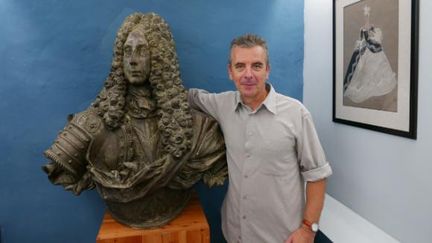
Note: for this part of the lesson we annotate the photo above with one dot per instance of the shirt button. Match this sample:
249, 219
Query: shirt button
245, 197
245, 176
244, 216
248, 155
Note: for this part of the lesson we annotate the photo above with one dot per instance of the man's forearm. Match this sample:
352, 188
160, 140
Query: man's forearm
315, 193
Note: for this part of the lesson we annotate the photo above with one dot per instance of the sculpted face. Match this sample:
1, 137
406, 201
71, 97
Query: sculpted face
136, 58
249, 71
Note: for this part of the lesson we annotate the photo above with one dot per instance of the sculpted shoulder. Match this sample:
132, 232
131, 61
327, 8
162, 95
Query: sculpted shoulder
207, 137
203, 123
208, 149
89, 121
70, 147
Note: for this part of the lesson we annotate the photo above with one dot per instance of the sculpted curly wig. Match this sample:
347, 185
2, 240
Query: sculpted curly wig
175, 120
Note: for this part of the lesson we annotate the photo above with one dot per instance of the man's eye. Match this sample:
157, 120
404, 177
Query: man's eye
239, 67
257, 66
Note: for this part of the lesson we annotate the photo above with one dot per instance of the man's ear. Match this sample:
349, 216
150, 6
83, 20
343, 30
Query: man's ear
229, 71
267, 71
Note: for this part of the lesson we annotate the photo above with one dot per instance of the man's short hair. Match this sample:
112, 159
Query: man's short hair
249, 41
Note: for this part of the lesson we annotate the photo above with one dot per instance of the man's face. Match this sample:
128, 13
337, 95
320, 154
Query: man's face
249, 71
136, 58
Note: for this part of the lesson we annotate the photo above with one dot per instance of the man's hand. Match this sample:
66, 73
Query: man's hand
301, 235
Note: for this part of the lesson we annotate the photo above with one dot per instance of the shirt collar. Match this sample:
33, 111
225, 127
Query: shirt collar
269, 102
237, 101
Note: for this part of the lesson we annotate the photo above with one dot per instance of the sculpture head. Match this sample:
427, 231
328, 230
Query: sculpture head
144, 55
136, 57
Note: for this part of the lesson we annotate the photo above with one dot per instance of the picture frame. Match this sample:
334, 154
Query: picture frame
375, 65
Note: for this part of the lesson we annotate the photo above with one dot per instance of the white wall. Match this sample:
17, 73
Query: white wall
384, 178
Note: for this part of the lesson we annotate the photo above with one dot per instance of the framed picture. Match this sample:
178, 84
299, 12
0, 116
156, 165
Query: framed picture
375, 53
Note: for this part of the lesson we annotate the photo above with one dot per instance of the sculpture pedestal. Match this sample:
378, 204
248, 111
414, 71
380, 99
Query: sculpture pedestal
189, 227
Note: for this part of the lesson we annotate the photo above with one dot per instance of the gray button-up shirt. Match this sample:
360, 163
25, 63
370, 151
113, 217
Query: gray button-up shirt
271, 152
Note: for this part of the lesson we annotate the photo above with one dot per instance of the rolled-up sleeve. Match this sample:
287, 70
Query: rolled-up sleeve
313, 163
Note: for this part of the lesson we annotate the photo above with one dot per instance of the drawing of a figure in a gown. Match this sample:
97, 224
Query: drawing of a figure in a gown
369, 73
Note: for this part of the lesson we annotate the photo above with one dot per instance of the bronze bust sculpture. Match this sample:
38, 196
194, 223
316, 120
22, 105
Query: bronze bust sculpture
139, 143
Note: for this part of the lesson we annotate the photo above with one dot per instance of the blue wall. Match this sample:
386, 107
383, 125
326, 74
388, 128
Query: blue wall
54, 56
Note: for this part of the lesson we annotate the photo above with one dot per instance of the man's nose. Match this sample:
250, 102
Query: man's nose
248, 73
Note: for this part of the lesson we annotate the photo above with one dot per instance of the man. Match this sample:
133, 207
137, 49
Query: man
272, 151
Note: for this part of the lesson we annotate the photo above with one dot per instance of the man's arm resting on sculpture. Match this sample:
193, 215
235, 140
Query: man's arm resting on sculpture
203, 101
315, 194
